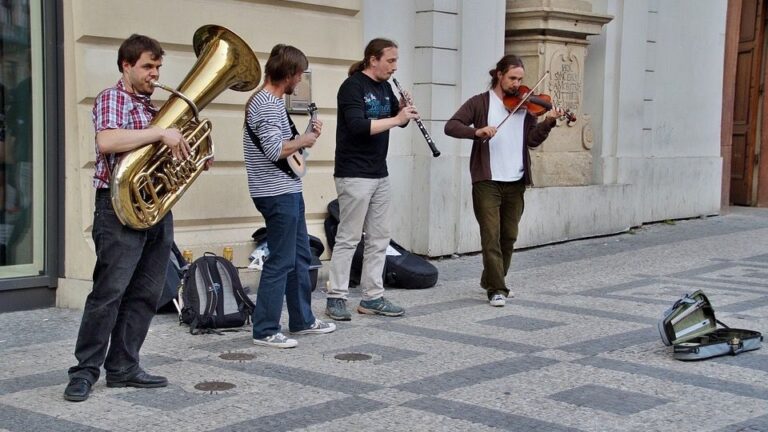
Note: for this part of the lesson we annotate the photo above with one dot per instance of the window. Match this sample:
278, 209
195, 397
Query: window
22, 167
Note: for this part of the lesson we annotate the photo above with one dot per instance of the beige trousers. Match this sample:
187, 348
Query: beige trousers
363, 207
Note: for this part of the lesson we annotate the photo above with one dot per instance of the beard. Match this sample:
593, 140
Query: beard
510, 91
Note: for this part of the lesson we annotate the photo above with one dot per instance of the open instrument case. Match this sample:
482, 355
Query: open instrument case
691, 328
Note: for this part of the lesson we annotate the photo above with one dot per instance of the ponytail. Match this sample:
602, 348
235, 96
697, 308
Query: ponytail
357, 66
375, 49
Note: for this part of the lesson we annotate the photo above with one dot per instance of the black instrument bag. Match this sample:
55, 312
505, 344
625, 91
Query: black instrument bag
690, 327
402, 268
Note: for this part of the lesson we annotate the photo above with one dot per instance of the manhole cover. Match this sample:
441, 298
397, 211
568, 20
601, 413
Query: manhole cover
352, 357
236, 356
212, 386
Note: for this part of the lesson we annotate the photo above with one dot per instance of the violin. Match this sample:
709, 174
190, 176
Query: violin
536, 105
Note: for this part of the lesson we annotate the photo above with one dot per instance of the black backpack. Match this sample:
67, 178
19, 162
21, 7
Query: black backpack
173, 276
316, 249
212, 296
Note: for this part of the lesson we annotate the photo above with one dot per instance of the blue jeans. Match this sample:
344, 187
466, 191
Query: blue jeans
127, 282
286, 270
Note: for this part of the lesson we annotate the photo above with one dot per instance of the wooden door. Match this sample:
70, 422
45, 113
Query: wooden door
746, 101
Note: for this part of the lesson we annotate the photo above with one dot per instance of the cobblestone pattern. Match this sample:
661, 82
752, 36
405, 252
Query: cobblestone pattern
576, 349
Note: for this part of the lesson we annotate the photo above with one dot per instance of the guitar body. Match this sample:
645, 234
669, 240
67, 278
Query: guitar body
298, 159
298, 162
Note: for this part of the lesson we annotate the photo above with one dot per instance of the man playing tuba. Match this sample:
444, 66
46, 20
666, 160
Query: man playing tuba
130, 264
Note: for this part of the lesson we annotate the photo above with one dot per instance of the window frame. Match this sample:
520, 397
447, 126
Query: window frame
26, 292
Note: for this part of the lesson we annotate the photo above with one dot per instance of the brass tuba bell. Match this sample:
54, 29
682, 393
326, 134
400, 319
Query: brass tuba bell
147, 182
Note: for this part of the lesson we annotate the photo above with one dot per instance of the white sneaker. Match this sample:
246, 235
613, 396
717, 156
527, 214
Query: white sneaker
277, 340
318, 327
498, 300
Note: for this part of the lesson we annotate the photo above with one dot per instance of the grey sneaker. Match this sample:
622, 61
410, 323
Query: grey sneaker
498, 300
379, 306
277, 340
318, 327
336, 309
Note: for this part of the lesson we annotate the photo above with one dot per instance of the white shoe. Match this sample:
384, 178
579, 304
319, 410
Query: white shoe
277, 340
318, 327
498, 300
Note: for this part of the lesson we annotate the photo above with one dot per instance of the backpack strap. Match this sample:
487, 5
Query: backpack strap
237, 288
203, 266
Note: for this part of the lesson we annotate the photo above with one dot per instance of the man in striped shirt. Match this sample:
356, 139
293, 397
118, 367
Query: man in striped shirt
130, 265
268, 139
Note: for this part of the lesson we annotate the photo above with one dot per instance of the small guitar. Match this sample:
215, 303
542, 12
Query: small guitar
298, 159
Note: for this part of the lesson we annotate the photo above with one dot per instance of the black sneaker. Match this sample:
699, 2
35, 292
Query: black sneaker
336, 309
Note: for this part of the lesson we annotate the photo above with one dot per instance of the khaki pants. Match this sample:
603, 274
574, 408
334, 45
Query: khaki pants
363, 207
498, 208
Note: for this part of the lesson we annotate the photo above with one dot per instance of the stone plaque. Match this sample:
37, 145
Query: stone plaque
565, 81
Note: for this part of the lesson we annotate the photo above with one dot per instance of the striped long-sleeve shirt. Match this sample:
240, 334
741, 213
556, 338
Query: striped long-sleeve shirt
269, 121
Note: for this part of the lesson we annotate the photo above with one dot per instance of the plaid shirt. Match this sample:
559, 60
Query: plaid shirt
115, 108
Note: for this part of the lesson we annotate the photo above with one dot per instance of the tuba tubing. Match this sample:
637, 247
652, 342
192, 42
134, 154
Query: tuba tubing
147, 181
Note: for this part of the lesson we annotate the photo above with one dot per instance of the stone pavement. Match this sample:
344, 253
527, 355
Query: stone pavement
576, 350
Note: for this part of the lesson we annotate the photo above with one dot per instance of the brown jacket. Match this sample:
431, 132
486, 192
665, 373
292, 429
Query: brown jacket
473, 115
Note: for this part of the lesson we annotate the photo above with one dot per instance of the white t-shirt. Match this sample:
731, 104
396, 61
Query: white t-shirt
506, 147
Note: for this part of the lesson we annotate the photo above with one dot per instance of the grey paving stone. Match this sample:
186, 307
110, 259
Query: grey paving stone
518, 322
432, 308
484, 416
385, 354
757, 424
743, 306
608, 399
618, 316
451, 363
458, 337
691, 379
755, 361
297, 375
216, 344
306, 416
763, 258
29, 382
21, 420
38, 326
475, 374
154, 360
169, 398
605, 343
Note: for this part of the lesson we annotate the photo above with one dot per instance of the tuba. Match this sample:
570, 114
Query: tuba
147, 181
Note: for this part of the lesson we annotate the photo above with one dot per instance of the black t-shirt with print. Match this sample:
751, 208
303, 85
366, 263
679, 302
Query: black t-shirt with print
358, 153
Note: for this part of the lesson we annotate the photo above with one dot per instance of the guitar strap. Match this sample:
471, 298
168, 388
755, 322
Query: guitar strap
281, 164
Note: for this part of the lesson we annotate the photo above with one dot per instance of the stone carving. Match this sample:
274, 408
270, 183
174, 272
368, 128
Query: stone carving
565, 80
587, 134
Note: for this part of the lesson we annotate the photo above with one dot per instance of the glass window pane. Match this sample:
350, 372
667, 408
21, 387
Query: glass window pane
21, 167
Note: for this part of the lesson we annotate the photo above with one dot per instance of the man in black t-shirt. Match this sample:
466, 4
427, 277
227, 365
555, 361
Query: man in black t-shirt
367, 110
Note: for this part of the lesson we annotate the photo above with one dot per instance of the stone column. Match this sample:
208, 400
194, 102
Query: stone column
551, 35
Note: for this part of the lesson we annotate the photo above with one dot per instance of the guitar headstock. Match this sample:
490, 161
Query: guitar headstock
312, 109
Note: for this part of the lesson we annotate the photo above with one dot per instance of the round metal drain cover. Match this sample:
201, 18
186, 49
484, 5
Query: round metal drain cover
352, 357
236, 356
212, 386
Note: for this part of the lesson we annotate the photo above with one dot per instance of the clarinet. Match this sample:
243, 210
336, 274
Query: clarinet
430, 143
